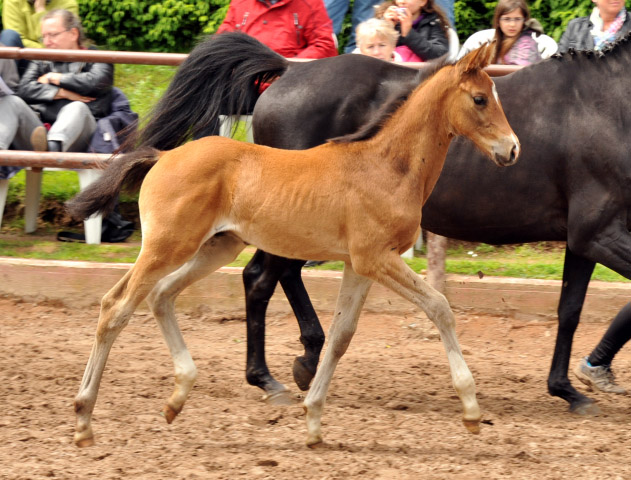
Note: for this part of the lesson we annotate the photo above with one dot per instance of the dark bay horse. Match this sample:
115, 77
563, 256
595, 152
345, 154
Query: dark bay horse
225, 194
571, 185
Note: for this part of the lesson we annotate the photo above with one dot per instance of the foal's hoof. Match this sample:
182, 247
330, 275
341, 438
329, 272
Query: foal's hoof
170, 413
472, 425
281, 397
586, 408
314, 441
84, 439
302, 374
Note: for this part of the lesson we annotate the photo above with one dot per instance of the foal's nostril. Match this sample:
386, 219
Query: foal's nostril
513, 154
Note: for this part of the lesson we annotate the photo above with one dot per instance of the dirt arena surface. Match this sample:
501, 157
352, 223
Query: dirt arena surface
391, 413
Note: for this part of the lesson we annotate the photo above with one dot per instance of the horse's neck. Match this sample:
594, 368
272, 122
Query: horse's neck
416, 138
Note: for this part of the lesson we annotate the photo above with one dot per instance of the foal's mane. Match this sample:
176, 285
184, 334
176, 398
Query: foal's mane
392, 104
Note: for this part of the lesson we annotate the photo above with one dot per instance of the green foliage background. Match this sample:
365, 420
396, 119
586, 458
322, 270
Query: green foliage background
175, 25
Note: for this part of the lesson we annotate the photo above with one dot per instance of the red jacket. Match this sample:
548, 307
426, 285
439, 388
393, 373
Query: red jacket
292, 28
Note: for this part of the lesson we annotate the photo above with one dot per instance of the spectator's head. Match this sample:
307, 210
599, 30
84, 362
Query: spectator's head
510, 18
62, 30
377, 38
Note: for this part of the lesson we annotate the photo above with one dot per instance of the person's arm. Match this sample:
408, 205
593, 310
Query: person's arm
33, 91
318, 34
429, 46
93, 83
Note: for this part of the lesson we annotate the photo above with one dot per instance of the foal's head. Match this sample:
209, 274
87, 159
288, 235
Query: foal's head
475, 110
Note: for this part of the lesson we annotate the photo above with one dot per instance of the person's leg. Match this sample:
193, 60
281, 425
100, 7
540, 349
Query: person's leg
362, 11
11, 38
73, 128
19, 129
336, 9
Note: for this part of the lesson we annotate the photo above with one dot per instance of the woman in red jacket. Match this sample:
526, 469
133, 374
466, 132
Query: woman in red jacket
292, 28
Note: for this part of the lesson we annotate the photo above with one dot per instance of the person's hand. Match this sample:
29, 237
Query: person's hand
392, 15
405, 20
39, 6
52, 78
72, 96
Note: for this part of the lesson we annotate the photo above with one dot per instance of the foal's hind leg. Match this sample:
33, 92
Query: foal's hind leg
350, 301
392, 272
117, 307
216, 252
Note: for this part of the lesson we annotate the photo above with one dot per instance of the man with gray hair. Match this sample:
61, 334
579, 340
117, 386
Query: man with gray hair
70, 96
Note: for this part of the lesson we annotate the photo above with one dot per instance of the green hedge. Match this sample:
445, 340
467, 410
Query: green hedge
175, 25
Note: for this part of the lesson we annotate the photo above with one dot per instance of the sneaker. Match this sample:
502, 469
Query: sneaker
599, 378
39, 143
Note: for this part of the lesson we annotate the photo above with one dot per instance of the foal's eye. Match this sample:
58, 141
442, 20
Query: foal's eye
480, 101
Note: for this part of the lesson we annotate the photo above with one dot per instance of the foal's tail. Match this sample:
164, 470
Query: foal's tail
124, 172
221, 75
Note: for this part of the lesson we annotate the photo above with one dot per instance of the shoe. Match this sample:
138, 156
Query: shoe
598, 378
314, 263
71, 237
39, 142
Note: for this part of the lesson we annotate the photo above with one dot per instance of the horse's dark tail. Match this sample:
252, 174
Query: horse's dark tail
124, 172
221, 75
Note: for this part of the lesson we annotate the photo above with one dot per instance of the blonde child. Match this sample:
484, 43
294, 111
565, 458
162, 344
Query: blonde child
377, 38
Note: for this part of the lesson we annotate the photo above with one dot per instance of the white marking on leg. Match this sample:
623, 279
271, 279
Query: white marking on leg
350, 301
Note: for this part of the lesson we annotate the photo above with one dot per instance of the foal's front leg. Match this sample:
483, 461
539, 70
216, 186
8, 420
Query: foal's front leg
350, 301
392, 272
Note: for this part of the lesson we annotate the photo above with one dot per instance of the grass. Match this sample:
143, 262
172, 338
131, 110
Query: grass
143, 85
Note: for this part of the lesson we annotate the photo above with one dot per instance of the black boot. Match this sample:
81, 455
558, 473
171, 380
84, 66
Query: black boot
54, 146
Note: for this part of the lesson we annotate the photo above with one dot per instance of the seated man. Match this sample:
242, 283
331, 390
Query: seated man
70, 96
77, 99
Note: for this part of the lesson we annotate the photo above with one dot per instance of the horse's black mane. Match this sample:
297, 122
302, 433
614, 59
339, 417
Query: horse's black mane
392, 104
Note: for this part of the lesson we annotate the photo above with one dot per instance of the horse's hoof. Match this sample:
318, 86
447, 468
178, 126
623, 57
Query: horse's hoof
472, 425
302, 374
314, 441
170, 413
588, 408
84, 439
282, 397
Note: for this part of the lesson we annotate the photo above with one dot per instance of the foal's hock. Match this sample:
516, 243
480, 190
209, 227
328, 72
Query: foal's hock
367, 195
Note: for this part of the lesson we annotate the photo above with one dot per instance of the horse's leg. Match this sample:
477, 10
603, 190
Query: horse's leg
216, 252
350, 300
311, 333
392, 272
260, 277
117, 307
577, 272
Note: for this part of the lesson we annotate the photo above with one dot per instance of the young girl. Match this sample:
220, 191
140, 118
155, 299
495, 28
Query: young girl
520, 39
377, 38
421, 25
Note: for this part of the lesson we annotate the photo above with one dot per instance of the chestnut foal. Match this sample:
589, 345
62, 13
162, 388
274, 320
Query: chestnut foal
359, 202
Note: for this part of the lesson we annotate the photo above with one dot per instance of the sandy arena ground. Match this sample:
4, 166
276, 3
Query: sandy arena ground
391, 413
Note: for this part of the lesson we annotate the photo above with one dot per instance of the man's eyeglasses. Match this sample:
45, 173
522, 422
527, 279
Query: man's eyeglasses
52, 36
511, 19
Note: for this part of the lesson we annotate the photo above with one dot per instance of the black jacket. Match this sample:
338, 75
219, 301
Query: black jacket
578, 36
427, 39
89, 79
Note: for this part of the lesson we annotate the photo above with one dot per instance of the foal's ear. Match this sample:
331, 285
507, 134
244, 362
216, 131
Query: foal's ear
477, 59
